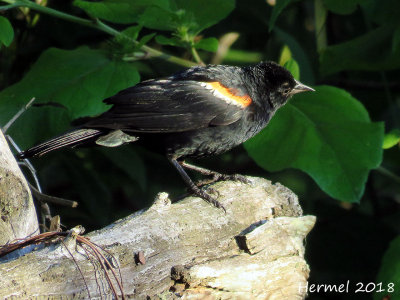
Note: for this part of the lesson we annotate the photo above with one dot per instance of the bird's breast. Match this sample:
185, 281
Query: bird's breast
213, 140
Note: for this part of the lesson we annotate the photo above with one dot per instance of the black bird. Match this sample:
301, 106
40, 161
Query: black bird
198, 112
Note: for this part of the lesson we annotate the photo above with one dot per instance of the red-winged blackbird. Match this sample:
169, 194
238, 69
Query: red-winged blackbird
198, 112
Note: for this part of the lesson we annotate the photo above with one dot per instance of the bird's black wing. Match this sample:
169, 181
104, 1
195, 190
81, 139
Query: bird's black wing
169, 105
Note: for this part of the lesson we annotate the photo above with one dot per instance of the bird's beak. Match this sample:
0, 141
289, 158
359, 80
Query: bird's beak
299, 88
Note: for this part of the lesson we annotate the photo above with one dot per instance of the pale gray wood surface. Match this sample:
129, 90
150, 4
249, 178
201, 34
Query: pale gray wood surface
18, 217
190, 250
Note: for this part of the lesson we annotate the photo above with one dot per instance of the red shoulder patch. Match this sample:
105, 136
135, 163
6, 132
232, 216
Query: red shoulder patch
229, 95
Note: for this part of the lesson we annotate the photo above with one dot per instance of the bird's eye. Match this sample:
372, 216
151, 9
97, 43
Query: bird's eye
286, 91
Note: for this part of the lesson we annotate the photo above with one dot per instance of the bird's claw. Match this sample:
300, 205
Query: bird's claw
204, 182
237, 177
202, 194
218, 177
211, 190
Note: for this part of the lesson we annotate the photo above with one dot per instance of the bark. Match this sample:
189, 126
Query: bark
187, 250
17, 213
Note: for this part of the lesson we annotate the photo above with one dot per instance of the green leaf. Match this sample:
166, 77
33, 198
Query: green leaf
124, 43
145, 39
6, 32
286, 54
208, 44
396, 40
119, 11
381, 11
171, 15
202, 14
188, 16
77, 79
342, 7
391, 139
277, 10
389, 273
328, 135
293, 67
376, 54
128, 161
131, 32
92, 189
173, 41
241, 56
38, 123
161, 18
297, 53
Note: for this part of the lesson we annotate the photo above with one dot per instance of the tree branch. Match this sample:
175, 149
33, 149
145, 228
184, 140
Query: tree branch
188, 249
18, 217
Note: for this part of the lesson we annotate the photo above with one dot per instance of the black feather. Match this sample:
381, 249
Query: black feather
166, 105
72, 138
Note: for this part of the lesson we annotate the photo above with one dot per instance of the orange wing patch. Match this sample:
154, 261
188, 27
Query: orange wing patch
229, 95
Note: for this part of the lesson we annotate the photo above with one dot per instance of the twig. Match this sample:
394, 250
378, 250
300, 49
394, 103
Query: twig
196, 56
17, 115
51, 199
320, 24
5, 7
25, 163
389, 174
45, 212
389, 98
225, 43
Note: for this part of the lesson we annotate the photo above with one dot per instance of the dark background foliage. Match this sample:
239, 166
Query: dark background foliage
326, 146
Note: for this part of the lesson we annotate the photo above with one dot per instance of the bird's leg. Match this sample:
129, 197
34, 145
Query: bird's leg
215, 175
194, 188
203, 171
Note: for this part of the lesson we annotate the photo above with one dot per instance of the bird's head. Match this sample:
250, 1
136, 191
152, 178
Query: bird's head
275, 84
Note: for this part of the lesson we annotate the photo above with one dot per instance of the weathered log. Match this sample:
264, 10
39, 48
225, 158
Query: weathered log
188, 249
17, 213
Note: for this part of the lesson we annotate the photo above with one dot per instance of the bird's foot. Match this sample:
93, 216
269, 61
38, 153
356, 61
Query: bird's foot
224, 177
210, 199
236, 177
211, 190
204, 182
192, 186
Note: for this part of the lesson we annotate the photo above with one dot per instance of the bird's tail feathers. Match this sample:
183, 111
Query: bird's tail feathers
71, 139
